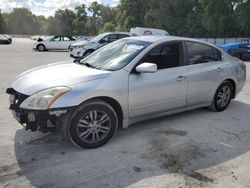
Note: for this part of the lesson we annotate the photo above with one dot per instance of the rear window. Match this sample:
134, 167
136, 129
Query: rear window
245, 46
201, 53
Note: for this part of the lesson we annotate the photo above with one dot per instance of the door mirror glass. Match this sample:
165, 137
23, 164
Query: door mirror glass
146, 68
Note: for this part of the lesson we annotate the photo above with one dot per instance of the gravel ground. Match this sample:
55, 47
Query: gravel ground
199, 148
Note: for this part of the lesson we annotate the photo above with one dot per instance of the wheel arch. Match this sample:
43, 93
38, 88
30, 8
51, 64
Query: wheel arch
229, 79
114, 104
233, 84
41, 44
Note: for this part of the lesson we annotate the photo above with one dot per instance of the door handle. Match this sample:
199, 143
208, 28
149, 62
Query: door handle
219, 69
180, 78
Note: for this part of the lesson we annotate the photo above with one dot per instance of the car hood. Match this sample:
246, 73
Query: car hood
82, 42
53, 75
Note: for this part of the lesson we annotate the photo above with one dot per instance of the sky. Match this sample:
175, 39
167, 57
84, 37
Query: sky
48, 7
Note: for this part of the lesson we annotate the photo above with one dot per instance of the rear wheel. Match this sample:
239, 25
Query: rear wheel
222, 96
93, 124
41, 47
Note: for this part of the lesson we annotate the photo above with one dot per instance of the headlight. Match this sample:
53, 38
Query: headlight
80, 46
44, 99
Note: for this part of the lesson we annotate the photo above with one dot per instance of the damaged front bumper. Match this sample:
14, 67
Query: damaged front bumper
37, 120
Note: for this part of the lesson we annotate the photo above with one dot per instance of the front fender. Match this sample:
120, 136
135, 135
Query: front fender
94, 89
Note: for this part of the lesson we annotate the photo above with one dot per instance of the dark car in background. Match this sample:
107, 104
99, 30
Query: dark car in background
240, 49
4, 40
8, 37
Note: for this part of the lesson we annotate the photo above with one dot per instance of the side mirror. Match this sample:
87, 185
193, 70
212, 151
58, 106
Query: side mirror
146, 68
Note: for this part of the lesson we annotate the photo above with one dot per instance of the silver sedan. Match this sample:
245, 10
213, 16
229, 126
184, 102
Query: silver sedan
130, 80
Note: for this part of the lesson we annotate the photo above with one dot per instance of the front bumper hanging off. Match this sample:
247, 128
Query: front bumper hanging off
41, 120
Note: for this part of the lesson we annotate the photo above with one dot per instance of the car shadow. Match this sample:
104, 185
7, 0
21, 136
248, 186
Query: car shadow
51, 51
179, 144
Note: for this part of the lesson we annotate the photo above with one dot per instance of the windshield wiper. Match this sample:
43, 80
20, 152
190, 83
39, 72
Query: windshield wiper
90, 66
86, 64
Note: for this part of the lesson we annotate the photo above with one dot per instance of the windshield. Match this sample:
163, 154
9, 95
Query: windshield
116, 55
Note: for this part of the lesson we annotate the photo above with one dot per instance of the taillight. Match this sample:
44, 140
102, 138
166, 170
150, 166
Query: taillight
242, 64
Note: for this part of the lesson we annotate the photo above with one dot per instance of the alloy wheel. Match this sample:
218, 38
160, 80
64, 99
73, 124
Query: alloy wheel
93, 126
224, 96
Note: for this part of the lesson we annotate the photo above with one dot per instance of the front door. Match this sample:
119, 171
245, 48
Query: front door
166, 89
54, 42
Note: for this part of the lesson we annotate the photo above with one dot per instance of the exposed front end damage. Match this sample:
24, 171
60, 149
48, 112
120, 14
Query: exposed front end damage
37, 120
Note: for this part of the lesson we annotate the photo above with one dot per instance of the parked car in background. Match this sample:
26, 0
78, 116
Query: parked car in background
127, 81
83, 48
141, 31
4, 40
54, 43
8, 37
34, 37
239, 49
85, 38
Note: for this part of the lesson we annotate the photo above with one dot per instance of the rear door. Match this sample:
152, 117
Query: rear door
164, 90
65, 43
205, 69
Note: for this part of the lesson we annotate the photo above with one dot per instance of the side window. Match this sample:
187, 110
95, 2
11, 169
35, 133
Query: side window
164, 56
109, 38
200, 53
56, 39
66, 39
120, 36
245, 46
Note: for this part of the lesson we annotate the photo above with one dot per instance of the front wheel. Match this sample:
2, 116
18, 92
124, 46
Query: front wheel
93, 124
41, 47
222, 97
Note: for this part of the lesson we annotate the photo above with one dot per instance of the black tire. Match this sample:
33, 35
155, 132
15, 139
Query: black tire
222, 97
41, 47
82, 125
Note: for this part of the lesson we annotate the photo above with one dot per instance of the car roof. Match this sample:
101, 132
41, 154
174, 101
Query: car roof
61, 36
234, 43
164, 38
108, 33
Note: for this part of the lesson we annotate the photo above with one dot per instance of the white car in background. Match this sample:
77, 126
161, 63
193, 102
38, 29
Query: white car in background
34, 37
83, 48
54, 43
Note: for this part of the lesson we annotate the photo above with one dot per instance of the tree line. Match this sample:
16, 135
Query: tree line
193, 18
